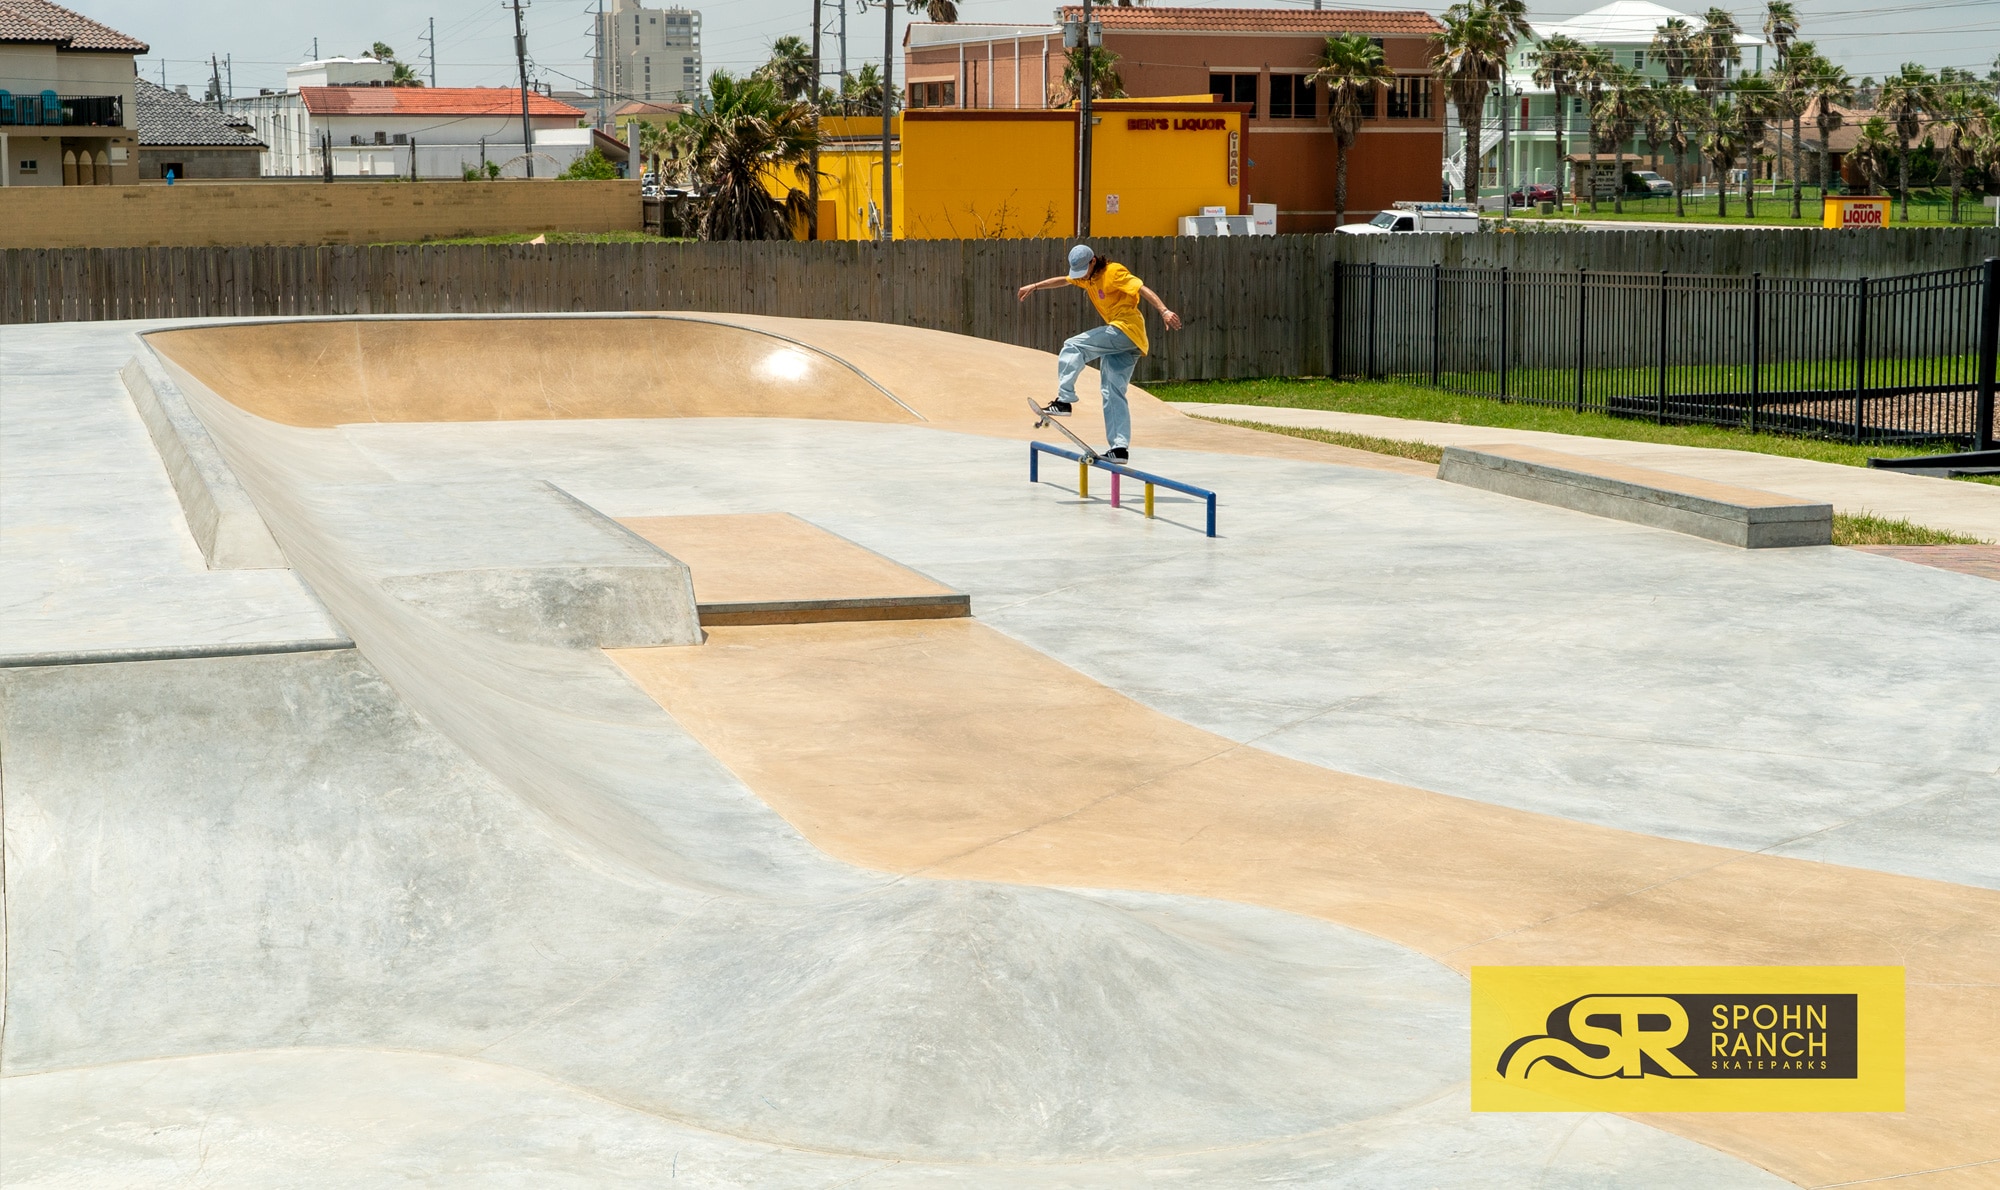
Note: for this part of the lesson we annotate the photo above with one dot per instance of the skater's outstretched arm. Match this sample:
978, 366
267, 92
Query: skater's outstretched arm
1052, 283
1167, 316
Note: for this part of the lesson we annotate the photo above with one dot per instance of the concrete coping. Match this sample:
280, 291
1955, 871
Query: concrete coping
1722, 512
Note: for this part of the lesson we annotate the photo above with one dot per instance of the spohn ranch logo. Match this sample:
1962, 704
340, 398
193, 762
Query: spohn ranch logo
1687, 1038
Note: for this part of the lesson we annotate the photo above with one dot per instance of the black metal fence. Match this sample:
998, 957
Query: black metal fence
1894, 359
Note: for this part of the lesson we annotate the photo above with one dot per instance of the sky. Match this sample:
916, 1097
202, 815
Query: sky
475, 37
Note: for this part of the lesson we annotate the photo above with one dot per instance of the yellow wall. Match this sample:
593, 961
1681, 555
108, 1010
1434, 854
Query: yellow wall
1006, 177
224, 215
996, 174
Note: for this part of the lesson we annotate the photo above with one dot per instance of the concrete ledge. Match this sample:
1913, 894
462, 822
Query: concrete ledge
831, 611
1720, 512
225, 524
170, 653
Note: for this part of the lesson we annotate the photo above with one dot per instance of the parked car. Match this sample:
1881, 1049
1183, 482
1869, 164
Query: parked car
1418, 216
1645, 181
1533, 192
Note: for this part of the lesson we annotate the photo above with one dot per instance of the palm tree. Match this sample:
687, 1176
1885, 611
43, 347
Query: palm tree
790, 68
1348, 67
943, 12
1471, 54
1722, 144
402, 74
1593, 70
743, 138
1650, 105
1685, 113
1716, 51
1821, 87
861, 93
1960, 113
1612, 120
1906, 96
1755, 97
1781, 25
1873, 148
1105, 82
1556, 64
1675, 48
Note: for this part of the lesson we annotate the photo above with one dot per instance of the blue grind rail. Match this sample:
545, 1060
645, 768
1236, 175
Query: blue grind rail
1037, 449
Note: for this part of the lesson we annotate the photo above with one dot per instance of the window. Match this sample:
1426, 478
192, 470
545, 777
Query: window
1410, 99
1293, 97
934, 94
167, 168
30, 165
1235, 88
1638, 59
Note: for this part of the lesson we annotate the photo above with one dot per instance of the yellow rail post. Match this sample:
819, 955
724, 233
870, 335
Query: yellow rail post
1149, 501
1083, 479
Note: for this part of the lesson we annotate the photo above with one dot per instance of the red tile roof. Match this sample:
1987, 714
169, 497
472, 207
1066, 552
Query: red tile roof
42, 23
428, 101
1263, 20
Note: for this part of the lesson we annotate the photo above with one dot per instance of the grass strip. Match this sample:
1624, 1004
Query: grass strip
1864, 528
550, 237
1386, 398
1423, 452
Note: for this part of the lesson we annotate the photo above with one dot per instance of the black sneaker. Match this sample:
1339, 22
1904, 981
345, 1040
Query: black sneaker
1115, 455
1056, 409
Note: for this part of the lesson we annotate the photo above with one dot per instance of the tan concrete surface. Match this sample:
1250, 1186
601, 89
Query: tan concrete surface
770, 557
932, 747
339, 372
1968, 508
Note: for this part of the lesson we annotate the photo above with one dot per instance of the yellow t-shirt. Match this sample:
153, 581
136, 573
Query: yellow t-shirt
1115, 293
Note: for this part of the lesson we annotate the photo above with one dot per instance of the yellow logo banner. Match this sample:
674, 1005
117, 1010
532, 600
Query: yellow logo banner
1639, 1039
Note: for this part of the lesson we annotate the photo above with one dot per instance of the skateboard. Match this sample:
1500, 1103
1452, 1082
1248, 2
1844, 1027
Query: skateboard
1043, 419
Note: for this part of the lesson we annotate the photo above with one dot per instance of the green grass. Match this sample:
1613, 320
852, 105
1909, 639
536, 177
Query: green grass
553, 237
1866, 529
1393, 399
1423, 452
1928, 208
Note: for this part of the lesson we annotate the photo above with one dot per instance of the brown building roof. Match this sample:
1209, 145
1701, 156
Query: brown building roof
38, 22
1262, 20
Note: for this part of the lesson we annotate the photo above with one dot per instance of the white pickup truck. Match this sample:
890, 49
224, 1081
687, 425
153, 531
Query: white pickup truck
1418, 216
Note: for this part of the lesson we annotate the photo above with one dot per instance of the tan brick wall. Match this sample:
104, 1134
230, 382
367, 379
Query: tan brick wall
225, 215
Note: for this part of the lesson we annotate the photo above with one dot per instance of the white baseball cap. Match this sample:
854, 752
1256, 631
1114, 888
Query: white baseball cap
1079, 261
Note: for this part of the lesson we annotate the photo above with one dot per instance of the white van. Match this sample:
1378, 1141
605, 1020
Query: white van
1418, 216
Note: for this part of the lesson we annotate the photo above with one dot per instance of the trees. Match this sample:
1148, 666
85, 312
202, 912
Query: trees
790, 68
1781, 25
1873, 150
1960, 114
1715, 51
1675, 47
1685, 114
861, 93
1822, 85
1556, 63
1348, 67
402, 74
1593, 70
1800, 60
1755, 98
1471, 54
592, 166
743, 140
1722, 145
1104, 81
1612, 121
1906, 97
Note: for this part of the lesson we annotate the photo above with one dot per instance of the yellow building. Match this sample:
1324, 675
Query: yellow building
1007, 173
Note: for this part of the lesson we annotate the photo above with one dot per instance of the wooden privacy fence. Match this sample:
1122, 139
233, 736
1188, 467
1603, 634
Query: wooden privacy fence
1253, 306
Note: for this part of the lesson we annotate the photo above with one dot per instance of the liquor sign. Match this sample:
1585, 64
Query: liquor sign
1855, 212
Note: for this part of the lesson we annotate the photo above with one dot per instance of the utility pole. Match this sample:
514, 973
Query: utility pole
315, 49
432, 39
812, 97
888, 92
521, 59
1091, 37
601, 77
215, 81
229, 74
843, 56
1506, 159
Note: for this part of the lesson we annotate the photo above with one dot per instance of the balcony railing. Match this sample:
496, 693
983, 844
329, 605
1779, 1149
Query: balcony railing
50, 110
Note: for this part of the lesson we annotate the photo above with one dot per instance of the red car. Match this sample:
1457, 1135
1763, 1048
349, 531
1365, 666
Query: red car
1533, 193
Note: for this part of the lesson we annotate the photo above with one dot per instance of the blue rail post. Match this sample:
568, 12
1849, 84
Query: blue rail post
1037, 449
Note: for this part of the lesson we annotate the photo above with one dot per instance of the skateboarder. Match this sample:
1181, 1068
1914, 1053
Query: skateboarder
1116, 346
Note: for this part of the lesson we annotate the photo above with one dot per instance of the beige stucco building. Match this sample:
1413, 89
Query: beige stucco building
67, 115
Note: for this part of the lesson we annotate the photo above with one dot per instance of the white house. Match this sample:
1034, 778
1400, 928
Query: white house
1626, 29
340, 115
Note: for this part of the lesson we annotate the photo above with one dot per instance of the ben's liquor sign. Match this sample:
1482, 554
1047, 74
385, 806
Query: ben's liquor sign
1636, 1039
1855, 212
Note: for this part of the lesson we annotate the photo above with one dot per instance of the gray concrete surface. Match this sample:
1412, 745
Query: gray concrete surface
1969, 508
219, 513
96, 558
1733, 516
463, 906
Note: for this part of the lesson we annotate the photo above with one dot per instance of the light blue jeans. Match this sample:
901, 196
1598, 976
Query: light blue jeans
1116, 356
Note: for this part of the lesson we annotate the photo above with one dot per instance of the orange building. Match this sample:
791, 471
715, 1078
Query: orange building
1259, 58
